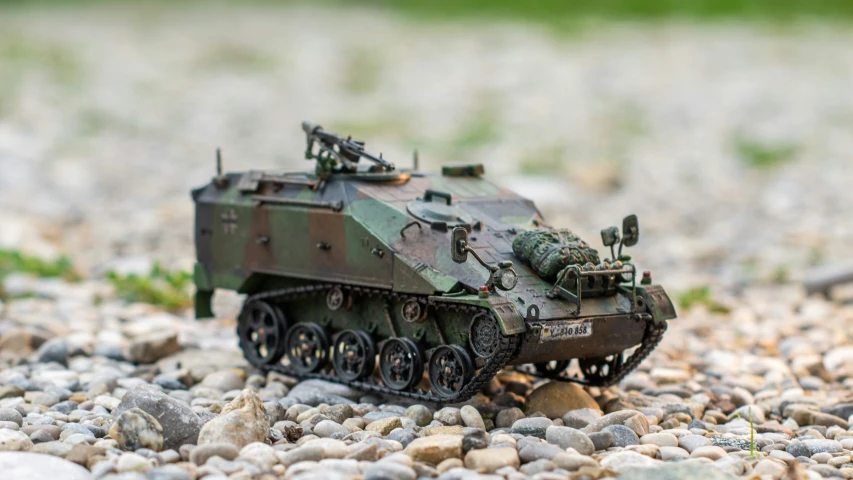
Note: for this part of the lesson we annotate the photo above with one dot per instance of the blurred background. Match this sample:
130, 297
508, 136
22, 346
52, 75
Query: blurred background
726, 125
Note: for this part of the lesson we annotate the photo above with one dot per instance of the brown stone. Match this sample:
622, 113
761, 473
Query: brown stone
554, 399
435, 448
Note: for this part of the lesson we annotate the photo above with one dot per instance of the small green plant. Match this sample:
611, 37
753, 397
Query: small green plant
13, 261
751, 433
168, 289
762, 154
700, 296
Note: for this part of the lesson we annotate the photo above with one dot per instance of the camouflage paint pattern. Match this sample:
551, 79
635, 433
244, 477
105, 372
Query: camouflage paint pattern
262, 230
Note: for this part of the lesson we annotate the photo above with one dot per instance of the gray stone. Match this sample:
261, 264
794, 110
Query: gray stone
224, 380
676, 471
581, 418
601, 440
615, 418
507, 418
622, 436
403, 436
532, 426
53, 350
339, 413
180, 424
474, 440
692, 442
567, 437
41, 436
314, 392
389, 470
327, 428
471, 417
419, 414
448, 416
200, 454
537, 451
816, 446
11, 415
168, 472
25, 466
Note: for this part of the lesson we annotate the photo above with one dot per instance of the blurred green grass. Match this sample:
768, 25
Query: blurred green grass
554, 12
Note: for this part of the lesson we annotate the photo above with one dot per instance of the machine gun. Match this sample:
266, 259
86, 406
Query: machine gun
334, 150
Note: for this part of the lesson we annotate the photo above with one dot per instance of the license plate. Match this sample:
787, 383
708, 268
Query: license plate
551, 333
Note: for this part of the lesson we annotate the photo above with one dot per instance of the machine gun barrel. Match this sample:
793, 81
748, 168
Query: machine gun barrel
345, 145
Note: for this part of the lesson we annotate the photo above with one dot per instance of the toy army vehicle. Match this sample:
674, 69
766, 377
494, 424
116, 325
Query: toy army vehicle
372, 276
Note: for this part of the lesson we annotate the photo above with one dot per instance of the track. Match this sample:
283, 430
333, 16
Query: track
506, 350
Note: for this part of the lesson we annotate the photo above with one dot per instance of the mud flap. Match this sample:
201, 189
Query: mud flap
658, 302
203, 307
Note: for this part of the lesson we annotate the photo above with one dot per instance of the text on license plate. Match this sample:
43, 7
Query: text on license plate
552, 333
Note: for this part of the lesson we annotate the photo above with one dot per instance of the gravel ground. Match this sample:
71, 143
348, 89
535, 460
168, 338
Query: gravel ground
731, 143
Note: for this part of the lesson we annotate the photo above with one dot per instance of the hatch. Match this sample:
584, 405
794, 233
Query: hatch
436, 208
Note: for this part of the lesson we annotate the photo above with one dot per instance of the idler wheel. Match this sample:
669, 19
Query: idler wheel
598, 370
412, 311
551, 369
336, 299
401, 364
307, 347
484, 334
450, 368
260, 329
354, 355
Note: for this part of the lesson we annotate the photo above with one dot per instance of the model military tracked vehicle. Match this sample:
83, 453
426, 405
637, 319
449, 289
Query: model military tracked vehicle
418, 285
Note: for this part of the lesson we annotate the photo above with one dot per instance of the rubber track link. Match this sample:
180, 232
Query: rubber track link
505, 352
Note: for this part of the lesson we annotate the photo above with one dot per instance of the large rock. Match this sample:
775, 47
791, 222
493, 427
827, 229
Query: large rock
435, 449
28, 466
135, 429
554, 399
243, 421
180, 424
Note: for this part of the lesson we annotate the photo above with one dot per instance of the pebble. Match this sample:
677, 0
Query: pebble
507, 418
661, 439
25, 465
692, 442
471, 417
179, 423
448, 416
384, 426
567, 437
672, 453
135, 429
491, 459
554, 399
535, 426
601, 440
419, 414
242, 421
713, 452
622, 436
435, 448
14, 441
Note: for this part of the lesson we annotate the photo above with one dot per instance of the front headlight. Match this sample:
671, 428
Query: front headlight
506, 278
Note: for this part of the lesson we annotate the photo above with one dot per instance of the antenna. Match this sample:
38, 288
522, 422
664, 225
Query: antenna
218, 162
415, 160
